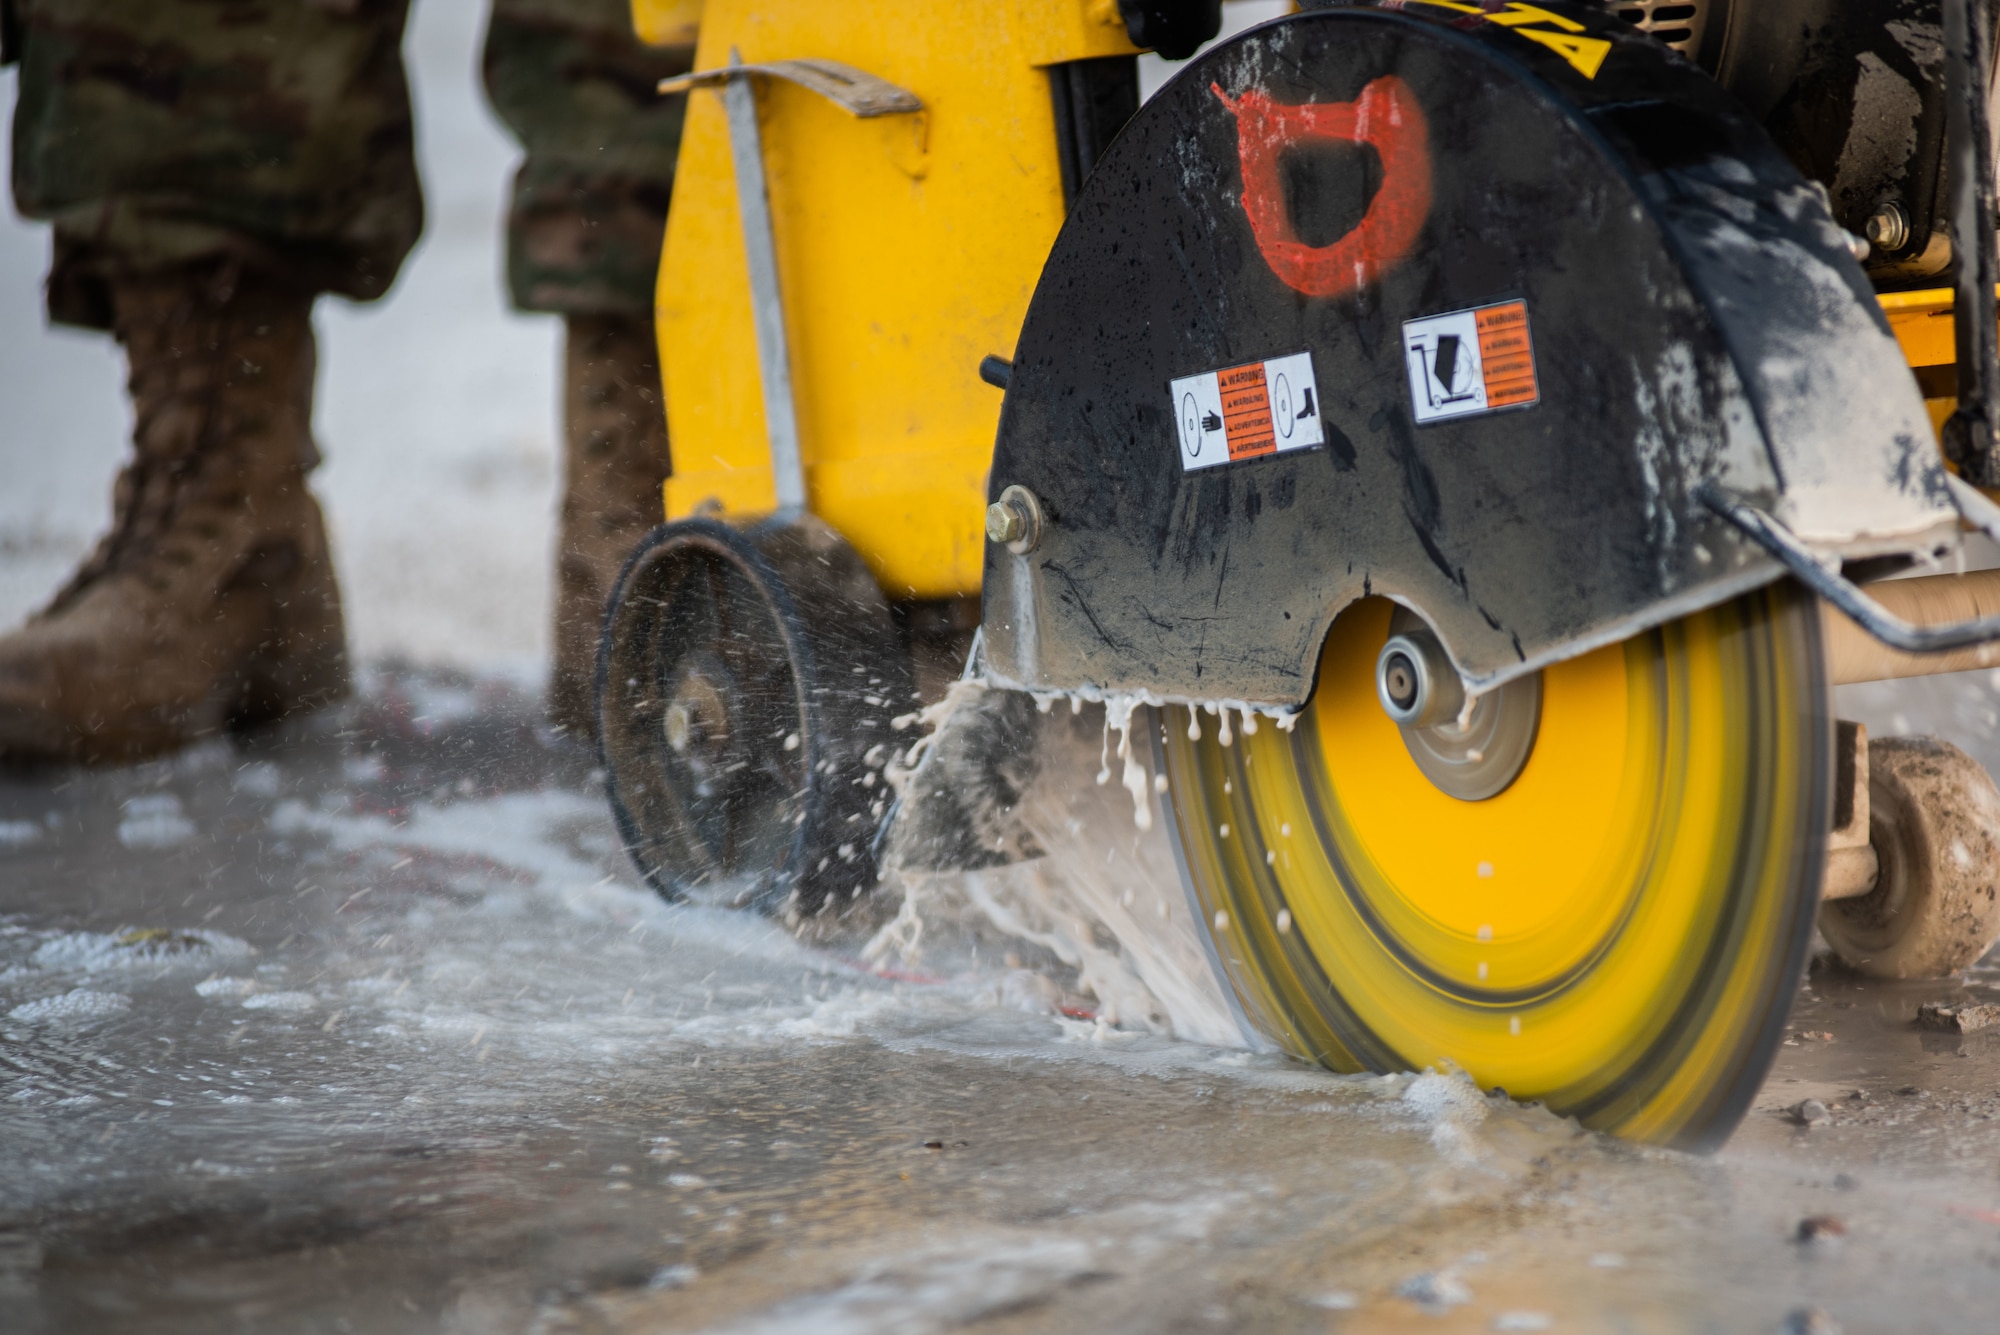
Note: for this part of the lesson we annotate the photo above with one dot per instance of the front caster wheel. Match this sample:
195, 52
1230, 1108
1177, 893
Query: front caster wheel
1934, 822
1617, 930
746, 680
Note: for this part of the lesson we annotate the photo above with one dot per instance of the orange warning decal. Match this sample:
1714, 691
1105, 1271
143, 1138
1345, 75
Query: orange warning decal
1507, 358
1478, 360
1246, 411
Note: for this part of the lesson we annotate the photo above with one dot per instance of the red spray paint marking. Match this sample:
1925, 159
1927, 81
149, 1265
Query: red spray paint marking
1385, 117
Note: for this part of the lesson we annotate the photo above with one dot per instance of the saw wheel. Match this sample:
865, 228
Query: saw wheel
747, 677
1618, 932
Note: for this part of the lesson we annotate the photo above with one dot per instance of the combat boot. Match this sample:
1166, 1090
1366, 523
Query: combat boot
614, 462
211, 602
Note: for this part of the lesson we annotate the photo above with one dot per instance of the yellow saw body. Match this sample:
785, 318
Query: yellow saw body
908, 247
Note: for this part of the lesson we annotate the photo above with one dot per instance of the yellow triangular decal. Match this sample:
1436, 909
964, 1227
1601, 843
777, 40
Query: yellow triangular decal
1518, 13
1585, 53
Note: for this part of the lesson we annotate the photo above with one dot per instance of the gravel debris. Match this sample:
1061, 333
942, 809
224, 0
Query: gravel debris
1809, 1321
1435, 1290
1957, 1019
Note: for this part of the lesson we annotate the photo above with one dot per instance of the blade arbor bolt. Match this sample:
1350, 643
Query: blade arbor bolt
1399, 680
1415, 681
1888, 228
1015, 520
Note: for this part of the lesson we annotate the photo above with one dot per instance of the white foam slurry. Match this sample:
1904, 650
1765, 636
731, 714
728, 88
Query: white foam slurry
518, 852
1119, 709
48, 966
531, 871
134, 948
155, 820
1454, 1107
280, 1001
1118, 719
1121, 706
1105, 898
78, 1006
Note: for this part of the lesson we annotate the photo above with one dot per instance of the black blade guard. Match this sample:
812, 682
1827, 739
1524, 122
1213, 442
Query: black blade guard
1449, 304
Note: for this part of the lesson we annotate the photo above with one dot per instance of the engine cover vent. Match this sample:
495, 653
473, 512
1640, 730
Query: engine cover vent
1678, 23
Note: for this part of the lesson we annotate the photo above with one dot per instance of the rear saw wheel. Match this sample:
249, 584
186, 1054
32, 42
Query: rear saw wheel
1617, 932
747, 677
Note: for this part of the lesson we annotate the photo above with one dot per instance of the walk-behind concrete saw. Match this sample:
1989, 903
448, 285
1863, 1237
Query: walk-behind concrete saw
1457, 445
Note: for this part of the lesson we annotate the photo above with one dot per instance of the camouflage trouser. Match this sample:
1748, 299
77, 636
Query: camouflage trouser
590, 201
160, 133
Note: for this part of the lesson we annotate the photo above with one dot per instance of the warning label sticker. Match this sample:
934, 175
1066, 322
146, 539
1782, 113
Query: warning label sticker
1246, 411
1476, 361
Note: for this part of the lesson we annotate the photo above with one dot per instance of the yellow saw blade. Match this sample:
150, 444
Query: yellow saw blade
1617, 933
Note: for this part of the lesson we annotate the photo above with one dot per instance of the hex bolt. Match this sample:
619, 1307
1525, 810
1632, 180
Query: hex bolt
1888, 228
1015, 520
1005, 524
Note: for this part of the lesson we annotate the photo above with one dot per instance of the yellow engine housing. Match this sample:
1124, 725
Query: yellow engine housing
907, 247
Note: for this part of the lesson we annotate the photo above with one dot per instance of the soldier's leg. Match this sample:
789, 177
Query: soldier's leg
198, 231
614, 462
589, 205
211, 601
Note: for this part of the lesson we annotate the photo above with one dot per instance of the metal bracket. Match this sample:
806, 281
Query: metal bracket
865, 96
854, 91
1821, 573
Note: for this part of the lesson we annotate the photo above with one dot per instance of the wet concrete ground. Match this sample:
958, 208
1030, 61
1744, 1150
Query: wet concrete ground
367, 1028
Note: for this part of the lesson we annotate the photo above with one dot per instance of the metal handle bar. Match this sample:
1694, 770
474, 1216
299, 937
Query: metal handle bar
857, 92
1822, 574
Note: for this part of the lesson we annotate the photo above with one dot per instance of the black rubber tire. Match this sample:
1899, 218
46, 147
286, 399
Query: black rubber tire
746, 680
